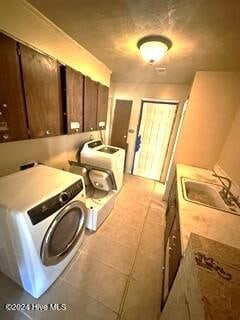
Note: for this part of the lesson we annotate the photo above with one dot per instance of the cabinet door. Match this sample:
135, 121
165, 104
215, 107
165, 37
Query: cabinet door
13, 124
102, 106
90, 104
172, 209
41, 78
174, 251
74, 100
172, 243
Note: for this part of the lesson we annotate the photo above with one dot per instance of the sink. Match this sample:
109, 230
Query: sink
206, 194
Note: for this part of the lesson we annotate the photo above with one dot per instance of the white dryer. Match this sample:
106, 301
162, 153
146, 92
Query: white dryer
96, 154
42, 225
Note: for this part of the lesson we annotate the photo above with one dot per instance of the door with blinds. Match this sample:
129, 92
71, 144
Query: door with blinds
155, 128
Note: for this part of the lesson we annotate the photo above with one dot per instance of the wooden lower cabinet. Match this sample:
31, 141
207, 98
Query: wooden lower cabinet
171, 210
172, 244
174, 250
13, 123
41, 80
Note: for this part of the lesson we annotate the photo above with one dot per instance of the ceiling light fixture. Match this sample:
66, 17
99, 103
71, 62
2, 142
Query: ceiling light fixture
153, 48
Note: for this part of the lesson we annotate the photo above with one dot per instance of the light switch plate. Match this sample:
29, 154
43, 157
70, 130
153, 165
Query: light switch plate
101, 124
75, 125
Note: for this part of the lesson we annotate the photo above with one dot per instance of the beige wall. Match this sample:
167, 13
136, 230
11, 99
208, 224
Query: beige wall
53, 151
213, 102
20, 20
138, 91
229, 159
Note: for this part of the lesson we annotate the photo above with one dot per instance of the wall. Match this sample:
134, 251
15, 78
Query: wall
229, 159
136, 92
213, 102
23, 22
53, 151
20, 20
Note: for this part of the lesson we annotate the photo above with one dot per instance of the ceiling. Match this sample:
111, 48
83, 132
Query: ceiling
205, 34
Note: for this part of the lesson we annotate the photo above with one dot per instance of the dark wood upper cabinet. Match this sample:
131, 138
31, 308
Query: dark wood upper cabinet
41, 79
90, 104
36, 92
74, 100
13, 124
102, 106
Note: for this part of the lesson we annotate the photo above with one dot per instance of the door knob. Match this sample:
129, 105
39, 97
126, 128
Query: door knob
48, 132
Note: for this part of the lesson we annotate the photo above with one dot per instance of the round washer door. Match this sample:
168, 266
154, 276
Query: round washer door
63, 233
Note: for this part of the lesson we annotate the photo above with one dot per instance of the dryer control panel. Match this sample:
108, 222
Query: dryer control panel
50, 206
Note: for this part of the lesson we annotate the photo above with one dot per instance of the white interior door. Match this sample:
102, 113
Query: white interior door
155, 130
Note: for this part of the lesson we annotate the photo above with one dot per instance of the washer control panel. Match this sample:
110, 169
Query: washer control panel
95, 144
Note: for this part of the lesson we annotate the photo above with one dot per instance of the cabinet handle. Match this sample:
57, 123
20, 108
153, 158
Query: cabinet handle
5, 136
48, 132
4, 105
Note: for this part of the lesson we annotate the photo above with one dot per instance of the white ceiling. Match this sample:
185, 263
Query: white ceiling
205, 34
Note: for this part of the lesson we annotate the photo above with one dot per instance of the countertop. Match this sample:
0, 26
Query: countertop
207, 285
205, 221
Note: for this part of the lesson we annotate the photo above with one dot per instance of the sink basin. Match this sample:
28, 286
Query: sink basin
206, 194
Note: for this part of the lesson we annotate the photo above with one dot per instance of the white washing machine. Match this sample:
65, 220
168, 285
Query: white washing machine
96, 154
42, 225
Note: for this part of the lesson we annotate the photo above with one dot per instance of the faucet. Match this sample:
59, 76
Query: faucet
225, 192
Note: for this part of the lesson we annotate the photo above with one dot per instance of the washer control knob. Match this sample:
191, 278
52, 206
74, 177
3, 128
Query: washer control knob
63, 197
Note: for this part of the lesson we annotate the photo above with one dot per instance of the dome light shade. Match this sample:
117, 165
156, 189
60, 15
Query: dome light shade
153, 48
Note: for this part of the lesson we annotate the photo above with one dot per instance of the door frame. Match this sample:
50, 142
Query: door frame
157, 101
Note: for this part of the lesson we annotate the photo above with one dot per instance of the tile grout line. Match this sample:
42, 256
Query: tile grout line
89, 296
134, 260
82, 252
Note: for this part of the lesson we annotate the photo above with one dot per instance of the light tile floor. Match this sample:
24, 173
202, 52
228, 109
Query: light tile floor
116, 275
